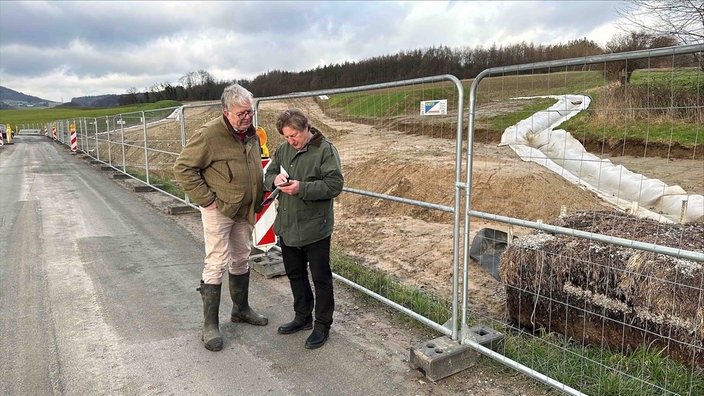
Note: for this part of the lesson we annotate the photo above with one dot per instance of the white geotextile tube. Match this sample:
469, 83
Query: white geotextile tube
534, 139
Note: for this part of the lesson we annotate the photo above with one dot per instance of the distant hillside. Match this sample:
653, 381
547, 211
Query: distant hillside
110, 100
11, 99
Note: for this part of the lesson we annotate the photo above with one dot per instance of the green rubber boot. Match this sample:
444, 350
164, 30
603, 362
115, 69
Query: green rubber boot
241, 311
212, 339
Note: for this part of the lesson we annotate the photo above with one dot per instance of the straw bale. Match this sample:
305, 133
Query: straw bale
607, 295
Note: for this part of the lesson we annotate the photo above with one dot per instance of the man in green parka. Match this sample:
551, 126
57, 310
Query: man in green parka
220, 170
306, 169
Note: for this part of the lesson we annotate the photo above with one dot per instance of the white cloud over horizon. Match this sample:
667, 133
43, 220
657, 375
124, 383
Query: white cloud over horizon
60, 50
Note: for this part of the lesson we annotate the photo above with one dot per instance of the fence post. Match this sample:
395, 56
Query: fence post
182, 117
84, 133
146, 151
97, 150
107, 131
122, 139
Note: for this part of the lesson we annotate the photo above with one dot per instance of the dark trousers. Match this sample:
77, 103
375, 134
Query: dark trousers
296, 261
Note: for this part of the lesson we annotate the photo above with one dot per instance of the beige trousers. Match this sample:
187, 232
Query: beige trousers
228, 244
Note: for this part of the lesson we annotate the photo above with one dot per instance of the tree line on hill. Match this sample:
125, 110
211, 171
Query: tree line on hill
463, 63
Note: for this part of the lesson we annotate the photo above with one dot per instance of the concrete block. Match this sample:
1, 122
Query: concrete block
184, 209
487, 337
142, 188
118, 175
269, 264
442, 357
146, 187
106, 168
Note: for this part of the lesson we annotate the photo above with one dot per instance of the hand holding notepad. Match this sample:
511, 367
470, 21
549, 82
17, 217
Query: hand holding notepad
276, 191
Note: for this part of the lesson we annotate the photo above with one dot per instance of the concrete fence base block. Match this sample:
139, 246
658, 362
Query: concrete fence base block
147, 188
487, 337
269, 264
118, 175
106, 168
177, 210
442, 357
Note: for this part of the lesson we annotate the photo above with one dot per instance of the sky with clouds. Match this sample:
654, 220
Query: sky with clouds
58, 50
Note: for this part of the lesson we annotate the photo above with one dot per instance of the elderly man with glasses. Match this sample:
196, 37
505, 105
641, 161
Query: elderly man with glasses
220, 170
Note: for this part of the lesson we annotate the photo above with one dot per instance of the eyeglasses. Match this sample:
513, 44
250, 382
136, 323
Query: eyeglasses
242, 114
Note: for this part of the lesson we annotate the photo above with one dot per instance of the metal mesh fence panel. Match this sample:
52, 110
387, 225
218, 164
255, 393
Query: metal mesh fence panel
588, 235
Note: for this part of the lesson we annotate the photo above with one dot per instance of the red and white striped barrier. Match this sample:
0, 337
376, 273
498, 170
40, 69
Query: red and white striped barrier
263, 234
74, 139
1, 142
53, 132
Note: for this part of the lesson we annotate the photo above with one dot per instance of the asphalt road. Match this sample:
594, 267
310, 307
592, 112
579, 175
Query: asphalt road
97, 296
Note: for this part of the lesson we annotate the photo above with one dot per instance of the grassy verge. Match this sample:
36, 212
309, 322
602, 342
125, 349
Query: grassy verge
599, 371
387, 103
381, 283
501, 122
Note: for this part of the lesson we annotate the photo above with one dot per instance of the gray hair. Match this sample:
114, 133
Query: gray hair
235, 95
292, 118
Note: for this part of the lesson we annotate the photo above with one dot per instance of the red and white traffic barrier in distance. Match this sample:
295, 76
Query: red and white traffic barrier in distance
53, 132
74, 139
1, 142
263, 234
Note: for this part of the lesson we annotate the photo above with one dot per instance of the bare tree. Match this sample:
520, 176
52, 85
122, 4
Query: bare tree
130, 96
622, 70
682, 19
188, 80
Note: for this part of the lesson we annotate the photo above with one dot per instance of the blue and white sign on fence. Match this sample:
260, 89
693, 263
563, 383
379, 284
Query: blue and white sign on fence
433, 107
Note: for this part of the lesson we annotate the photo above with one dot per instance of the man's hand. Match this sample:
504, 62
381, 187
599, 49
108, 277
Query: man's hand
281, 180
291, 188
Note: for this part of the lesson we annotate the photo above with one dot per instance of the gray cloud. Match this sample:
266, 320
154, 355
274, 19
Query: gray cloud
65, 49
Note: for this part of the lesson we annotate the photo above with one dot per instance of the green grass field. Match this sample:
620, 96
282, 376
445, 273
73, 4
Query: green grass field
657, 106
18, 118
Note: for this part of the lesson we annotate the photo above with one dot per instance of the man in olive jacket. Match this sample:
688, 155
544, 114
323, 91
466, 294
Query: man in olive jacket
220, 170
308, 173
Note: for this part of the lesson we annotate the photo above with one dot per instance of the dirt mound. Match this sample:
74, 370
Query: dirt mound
599, 293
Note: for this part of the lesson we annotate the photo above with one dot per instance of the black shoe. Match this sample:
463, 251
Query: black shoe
317, 338
295, 326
